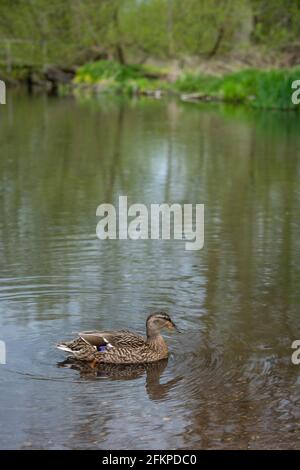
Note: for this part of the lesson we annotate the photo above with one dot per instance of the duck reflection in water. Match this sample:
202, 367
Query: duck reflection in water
153, 372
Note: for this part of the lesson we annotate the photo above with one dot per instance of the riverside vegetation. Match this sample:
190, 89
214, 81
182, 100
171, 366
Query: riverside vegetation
101, 46
258, 88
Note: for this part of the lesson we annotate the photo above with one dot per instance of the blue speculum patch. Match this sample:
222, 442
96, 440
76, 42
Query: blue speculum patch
101, 348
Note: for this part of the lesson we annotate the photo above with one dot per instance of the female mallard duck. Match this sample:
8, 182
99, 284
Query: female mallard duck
123, 346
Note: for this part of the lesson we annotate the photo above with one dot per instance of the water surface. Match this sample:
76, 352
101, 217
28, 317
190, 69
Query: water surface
229, 382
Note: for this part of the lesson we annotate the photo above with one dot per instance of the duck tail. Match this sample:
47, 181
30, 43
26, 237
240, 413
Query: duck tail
64, 347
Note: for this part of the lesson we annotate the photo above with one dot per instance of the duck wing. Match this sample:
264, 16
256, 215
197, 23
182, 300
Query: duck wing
116, 339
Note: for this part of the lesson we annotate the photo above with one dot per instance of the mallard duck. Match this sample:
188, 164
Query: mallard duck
123, 346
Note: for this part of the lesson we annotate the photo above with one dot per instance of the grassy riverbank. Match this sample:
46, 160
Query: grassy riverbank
257, 88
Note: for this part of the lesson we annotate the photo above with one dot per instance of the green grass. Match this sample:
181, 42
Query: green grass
258, 88
94, 72
115, 77
192, 83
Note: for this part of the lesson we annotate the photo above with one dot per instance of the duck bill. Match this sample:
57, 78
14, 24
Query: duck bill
172, 326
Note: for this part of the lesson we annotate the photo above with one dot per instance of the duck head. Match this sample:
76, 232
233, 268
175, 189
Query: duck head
157, 321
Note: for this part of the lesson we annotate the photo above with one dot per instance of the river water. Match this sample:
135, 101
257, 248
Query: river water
229, 381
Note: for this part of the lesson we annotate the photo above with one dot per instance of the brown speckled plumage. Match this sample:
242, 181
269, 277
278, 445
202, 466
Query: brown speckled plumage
123, 346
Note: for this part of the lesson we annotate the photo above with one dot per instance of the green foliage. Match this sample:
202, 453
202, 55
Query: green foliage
94, 72
261, 89
239, 86
190, 83
127, 79
276, 22
71, 32
264, 89
273, 89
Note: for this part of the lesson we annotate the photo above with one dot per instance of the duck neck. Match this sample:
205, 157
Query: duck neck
156, 341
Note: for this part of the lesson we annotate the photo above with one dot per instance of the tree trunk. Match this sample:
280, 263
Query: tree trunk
120, 54
217, 44
118, 46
